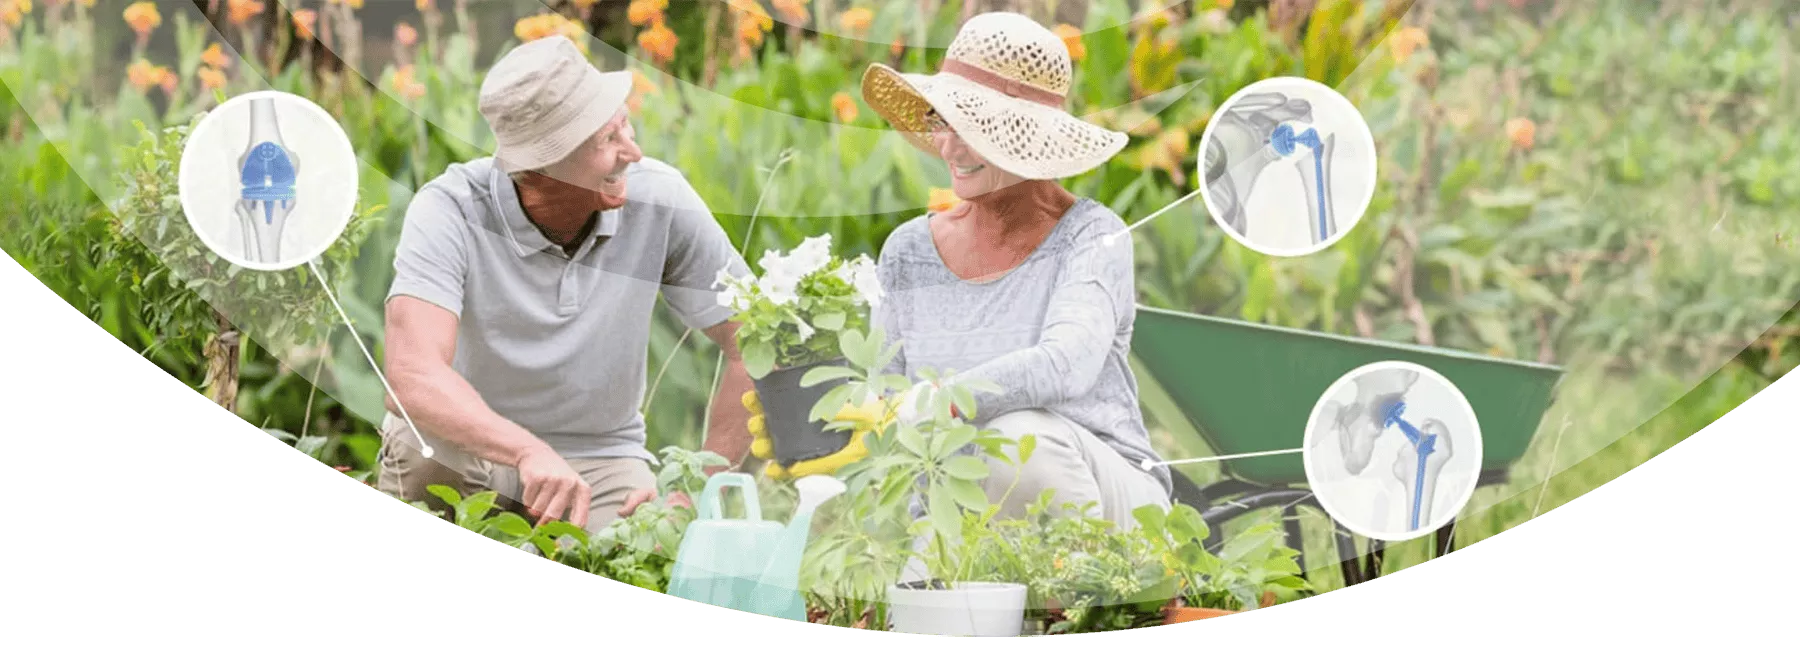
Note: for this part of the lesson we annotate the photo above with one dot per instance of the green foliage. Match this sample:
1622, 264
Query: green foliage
181, 283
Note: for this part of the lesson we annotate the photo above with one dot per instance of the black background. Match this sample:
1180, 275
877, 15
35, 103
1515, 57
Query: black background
229, 533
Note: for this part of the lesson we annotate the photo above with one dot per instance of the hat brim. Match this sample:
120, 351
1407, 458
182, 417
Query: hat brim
1025, 138
611, 92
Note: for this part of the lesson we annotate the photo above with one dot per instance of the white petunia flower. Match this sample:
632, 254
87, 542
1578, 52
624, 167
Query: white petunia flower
806, 331
812, 255
728, 299
862, 276
723, 277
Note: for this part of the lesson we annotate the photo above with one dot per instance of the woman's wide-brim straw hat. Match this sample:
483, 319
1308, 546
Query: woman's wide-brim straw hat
1002, 88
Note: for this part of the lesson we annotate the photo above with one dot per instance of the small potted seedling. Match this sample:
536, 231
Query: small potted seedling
1246, 573
790, 321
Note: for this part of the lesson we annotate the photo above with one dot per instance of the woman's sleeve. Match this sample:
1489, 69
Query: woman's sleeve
1093, 295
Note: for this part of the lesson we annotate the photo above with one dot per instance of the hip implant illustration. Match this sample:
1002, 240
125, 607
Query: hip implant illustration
1379, 405
267, 171
1256, 133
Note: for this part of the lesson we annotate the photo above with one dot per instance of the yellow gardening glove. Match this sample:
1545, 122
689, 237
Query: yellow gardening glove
867, 416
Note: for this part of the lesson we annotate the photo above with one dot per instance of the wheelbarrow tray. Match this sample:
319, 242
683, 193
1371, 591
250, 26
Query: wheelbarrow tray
1249, 387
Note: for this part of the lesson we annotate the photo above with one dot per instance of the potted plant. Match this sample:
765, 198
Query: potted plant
790, 319
1247, 572
920, 483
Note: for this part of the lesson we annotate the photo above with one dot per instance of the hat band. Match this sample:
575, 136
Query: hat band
1001, 84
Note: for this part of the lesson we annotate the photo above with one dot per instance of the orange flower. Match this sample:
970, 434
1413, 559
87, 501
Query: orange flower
659, 41
845, 106
10, 15
353, 4
405, 34
545, 25
898, 47
1522, 132
856, 21
215, 57
749, 34
750, 11
143, 75
143, 18
792, 11
1071, 37
407, 86
641, 86
584, 4
646, 12
169, 81
303, 23
241, 11
211, 79
1406, 41
943, 200
424, 5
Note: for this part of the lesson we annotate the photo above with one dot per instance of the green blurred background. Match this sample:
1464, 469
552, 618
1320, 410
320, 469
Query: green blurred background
1605, 185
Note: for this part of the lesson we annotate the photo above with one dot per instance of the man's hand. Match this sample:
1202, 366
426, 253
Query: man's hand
867, 417
551, 487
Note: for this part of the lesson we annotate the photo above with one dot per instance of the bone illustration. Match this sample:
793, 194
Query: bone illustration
267, 171
1418, 466
1255, 133
1355, 427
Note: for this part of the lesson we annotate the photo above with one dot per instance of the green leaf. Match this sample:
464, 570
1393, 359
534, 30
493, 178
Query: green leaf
759, 359
824, 374
1027, 445
829, 404
966, 468
1186, 525
968, 494
445, 493
852, 343
513, 525
911, 440
946, 519
1150, 518
832, 321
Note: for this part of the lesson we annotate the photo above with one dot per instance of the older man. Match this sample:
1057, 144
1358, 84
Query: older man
519, 316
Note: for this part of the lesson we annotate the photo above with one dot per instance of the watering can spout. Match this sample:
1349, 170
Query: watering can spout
778, 590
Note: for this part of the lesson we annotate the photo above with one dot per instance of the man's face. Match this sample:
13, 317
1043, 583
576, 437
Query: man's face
599, 164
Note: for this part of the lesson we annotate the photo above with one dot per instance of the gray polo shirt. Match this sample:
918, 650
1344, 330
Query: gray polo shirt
557, 342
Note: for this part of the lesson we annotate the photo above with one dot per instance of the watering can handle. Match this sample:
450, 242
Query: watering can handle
709, 497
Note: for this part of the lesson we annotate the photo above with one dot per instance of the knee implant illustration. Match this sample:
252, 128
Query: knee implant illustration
1256, 133
1380, 404
267, 171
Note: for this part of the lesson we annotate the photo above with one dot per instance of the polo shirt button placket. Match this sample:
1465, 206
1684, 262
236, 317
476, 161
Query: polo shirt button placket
568, 295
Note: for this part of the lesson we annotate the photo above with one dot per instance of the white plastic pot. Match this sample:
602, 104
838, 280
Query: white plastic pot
966, 609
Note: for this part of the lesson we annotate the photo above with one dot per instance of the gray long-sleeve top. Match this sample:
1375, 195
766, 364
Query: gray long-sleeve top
1053, 333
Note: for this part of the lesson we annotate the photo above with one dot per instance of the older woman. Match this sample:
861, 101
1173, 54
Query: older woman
1022, 284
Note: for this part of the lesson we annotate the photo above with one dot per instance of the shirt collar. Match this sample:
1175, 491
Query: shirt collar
526, 238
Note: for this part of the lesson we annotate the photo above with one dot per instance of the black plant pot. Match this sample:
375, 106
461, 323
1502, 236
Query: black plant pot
786, 406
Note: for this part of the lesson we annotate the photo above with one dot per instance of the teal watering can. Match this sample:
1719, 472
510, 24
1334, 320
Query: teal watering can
748, 564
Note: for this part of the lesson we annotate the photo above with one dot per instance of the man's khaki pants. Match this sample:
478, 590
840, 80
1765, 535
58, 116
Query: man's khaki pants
405, 474
1069, 460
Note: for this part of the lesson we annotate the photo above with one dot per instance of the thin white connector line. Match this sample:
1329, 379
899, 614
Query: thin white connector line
1109, 239
1148, 464
1549, 470
424, 447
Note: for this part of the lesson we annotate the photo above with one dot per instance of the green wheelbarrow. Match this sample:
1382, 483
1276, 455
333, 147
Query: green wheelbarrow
1249, 388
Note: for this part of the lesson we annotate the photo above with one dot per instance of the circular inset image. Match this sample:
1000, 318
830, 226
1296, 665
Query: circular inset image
1287, 166
1392, 450
268, 180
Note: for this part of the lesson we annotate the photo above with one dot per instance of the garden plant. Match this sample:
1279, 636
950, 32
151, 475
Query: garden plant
1601, 185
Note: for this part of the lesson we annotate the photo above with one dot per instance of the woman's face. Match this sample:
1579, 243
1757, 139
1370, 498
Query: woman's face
970, 175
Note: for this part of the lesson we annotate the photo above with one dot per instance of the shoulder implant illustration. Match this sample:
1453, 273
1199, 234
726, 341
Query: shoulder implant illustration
1258, 132
267, 170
